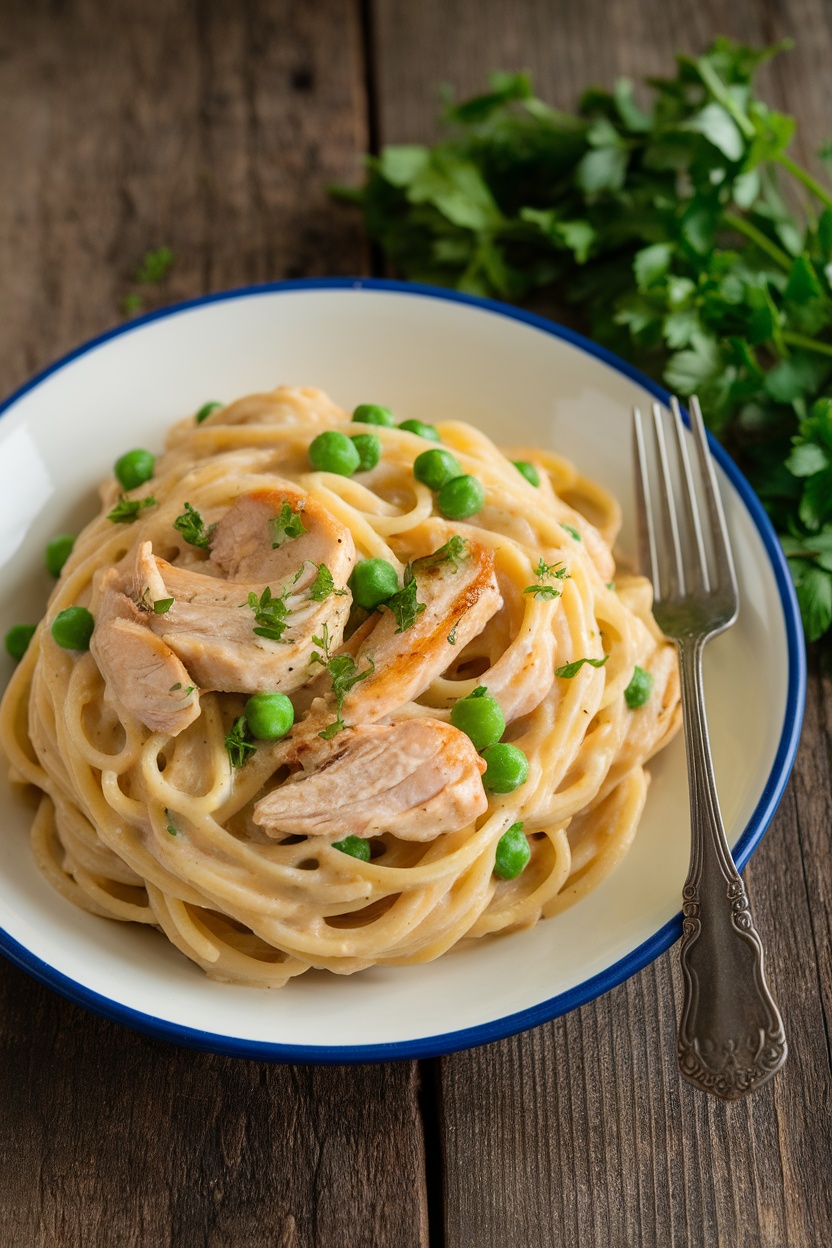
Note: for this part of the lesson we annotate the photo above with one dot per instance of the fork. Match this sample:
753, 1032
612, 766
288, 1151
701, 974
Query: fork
731, 1036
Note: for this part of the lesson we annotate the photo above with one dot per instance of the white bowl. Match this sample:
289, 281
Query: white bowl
428, 354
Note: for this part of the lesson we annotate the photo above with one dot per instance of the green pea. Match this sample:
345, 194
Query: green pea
355, 846
369, 450
480, 717
424, 431
373, 581
436, 468
639, 689
372, 414
461, 497
269, 716
72, 628
513, 853
206, 410
334, 452
527, 470
506, 768
57, 552
18, 638
134, 468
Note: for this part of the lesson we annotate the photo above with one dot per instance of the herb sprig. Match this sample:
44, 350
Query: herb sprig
323, 584
541, 590
239, 743
270, 614
404, 604
127, 510
286, 526
456, 550
669, 228
192, 527
343, 673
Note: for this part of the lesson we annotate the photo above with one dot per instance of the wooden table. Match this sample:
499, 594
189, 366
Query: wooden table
215, 129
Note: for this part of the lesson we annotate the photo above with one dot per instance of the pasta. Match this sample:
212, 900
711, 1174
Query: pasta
157, 805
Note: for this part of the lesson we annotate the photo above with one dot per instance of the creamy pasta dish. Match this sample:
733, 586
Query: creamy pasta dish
328, 691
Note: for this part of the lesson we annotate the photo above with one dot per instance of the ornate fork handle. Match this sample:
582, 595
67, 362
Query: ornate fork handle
731, 1035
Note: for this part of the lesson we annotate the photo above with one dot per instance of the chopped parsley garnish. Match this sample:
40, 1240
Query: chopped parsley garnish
192, 527
547, 592
571, 669
269, 614
571, 530
404, 604
155, 266
455, 551
189, 690
170, 826
286, 526
127, 510
452, 634
343, 673
178, 685
162, 605
239, 743
323, 584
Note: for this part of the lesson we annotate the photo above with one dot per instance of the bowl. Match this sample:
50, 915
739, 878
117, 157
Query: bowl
429, 354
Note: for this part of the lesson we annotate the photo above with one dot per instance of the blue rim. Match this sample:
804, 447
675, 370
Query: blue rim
483, 1033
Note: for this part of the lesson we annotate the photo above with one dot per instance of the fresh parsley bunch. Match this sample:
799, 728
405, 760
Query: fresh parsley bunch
671, 231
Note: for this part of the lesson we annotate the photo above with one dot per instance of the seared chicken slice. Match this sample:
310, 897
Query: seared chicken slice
459, 601
210, 625
142, 672
249, 542
417, 777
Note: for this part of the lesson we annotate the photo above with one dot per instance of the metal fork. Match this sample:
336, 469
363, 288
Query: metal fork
731, 1036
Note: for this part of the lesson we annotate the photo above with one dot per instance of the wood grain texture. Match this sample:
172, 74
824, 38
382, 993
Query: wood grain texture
210, 128
581, 1132
109, 1139
214, 129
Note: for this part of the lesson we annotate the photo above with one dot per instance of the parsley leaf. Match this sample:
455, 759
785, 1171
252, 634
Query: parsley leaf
192, 527
343, 673
170, 826
269, 614
323, 584
404, 604
127, 510
162, 605
544, 569
456, 550
671, 230
239, 743
571, 669
155, 266
286, 526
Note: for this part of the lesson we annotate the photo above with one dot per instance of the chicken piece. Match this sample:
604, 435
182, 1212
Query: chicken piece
210, 626
416, 778
459, 601
142, 673
243, 542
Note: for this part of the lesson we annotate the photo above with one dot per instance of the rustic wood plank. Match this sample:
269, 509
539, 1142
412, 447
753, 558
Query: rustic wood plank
108, 1137
581, 1131
213, 129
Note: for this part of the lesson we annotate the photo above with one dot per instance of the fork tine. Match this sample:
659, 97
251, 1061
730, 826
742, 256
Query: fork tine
691, 506
648, 562
723, 557
668, 505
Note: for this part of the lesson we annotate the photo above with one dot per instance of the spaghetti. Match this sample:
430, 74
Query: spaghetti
146, 814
